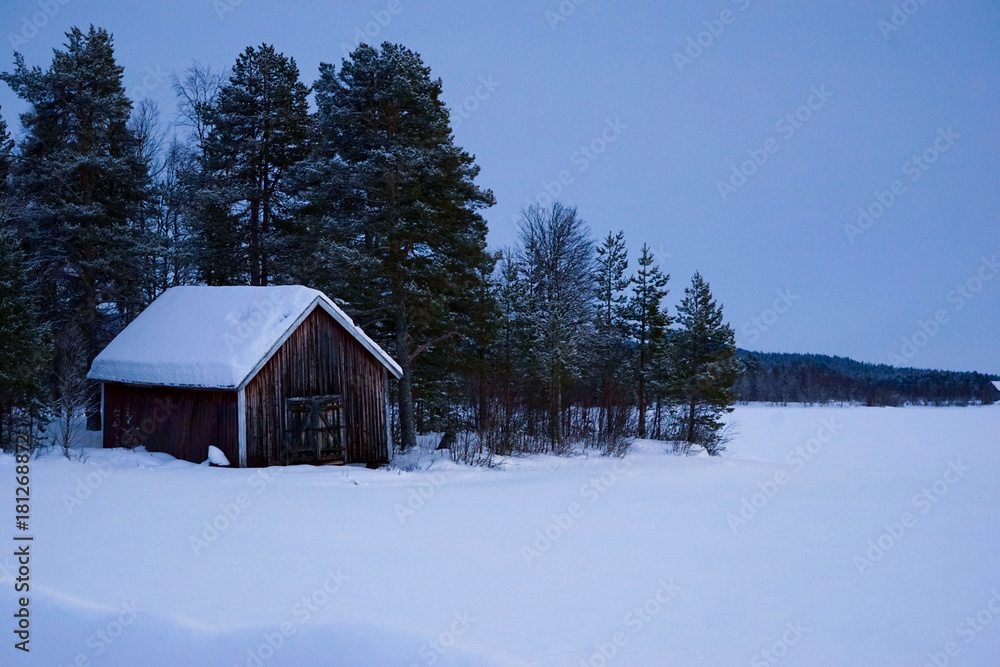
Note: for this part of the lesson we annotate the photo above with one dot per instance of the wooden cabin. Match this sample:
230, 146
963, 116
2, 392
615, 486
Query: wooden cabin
996, 390
269, 375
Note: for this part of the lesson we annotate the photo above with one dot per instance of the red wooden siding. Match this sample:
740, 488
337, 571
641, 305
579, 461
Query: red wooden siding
181, 422
320, 358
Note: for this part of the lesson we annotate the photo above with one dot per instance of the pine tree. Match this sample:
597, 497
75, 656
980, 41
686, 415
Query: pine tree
258, 130
649, 323
22, 344
78, 187
406, 217
702, 365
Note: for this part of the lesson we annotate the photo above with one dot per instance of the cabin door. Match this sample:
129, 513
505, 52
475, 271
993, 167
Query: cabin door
314, 430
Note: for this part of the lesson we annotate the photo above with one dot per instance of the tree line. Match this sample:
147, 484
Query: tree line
814, 378
104, 205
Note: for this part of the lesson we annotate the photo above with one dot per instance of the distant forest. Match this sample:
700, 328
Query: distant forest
773, 377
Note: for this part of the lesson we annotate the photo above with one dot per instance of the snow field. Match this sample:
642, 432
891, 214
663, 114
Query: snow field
825, 536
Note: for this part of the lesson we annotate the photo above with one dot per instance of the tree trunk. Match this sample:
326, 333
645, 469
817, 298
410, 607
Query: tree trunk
556, 416
265, 223
92, 388
658, 421
642, 403
255, 277
690, 433
407, 425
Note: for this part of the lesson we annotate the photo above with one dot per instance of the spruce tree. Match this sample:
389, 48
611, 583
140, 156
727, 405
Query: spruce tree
611, 264
258, 131
406, 219
77, 189
702, 365
611, 327
649, 323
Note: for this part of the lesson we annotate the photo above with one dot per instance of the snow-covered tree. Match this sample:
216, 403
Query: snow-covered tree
22, 344
256, 130
611, 350
611, 263
405, 214
78, 186
649, 321
702, 366
558, 260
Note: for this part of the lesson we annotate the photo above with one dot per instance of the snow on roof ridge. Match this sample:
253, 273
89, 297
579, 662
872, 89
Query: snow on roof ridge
216, 337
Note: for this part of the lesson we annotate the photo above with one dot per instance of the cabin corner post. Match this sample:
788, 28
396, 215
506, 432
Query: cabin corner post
241, 424
104, 425
388, 425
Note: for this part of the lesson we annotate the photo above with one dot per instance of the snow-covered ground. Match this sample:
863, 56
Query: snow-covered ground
825, 536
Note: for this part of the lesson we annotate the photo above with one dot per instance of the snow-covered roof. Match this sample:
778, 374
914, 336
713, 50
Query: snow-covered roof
996, 383
215, 337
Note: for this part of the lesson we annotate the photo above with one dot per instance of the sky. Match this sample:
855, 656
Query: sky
830, 168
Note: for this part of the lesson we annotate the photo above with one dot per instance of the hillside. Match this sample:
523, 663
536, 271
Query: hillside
774, 377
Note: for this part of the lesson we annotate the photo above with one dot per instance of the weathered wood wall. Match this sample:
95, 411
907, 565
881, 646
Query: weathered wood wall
320, 358
181, 422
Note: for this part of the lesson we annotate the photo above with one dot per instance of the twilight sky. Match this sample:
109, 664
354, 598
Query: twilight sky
741, 138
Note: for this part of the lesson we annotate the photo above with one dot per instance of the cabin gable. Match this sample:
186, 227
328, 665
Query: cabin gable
321, 376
